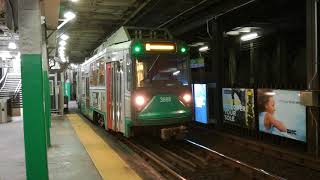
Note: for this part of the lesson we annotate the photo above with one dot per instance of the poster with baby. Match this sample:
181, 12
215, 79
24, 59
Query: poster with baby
238, 107
281, 113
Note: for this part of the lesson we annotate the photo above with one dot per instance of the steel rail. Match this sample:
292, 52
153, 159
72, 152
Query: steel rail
238, 163
153, 157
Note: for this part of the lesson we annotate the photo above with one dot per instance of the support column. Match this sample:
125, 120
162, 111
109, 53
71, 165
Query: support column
46, 88
32, 90
312, 74
217, 69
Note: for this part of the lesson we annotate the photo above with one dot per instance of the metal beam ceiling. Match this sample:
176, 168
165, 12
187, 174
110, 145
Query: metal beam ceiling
97, 19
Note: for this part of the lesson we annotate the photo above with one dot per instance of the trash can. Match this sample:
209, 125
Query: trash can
4, 111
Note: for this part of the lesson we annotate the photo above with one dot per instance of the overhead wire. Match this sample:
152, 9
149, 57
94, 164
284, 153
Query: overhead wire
182, 13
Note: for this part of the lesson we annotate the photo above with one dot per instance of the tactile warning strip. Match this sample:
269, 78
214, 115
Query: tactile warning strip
106, 160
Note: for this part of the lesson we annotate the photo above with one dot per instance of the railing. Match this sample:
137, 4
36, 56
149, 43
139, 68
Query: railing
16, 91
4, 78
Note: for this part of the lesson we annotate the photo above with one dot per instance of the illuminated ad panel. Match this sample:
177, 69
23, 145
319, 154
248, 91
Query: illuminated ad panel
282, 114
200, 102
238, 107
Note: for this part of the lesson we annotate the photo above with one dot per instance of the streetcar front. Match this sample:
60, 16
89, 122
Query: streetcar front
162, 92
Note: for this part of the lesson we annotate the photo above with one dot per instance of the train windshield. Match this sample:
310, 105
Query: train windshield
167, 69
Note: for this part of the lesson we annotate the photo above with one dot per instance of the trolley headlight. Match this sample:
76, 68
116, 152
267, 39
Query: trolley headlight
186, 98
140, 100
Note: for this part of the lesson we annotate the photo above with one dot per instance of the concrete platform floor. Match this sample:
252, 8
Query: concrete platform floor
12, 163
67, 158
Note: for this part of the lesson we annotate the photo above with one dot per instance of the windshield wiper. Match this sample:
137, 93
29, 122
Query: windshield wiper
154, 62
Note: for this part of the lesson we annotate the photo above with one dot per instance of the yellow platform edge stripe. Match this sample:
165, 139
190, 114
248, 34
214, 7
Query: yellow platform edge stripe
107, 161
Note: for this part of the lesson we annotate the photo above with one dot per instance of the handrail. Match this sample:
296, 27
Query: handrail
4, 78
17, 89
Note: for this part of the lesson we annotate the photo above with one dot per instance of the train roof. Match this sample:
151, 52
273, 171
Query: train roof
124, 35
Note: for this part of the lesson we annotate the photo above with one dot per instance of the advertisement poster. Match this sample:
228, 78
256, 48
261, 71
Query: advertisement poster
200, 102
197, 63
280, 113
238, 107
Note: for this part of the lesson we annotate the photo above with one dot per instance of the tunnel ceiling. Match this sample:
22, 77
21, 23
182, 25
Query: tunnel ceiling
98, 19
95, 20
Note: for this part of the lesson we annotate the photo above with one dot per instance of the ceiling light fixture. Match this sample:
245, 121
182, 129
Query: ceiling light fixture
62, 43
12, 45
64, 37
248, 37
62, 48
69, 15
176, 73
204, 49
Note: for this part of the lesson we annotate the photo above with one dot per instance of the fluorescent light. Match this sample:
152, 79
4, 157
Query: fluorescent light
74, 0
62, 48
204, 48
248, 37
73, 66
233, 33
64, 37
69, 15
62, 43
244, 30
12, 45
176, 73
150, 47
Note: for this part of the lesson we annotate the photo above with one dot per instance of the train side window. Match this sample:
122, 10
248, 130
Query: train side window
101, 73
129, 71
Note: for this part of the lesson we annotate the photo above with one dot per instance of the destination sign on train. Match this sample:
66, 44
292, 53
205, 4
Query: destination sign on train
160, 47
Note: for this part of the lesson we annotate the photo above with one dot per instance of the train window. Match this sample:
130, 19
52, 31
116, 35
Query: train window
93, 75
101, 73
155, 69
139, 73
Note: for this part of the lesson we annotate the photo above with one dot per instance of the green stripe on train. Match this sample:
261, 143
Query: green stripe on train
165, 106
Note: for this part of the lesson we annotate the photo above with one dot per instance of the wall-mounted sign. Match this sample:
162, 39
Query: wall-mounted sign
238, 107
197, 62
281, 113
200, 102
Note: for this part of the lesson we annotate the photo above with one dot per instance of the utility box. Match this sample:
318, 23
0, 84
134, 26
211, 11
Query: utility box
310, 98
4, 111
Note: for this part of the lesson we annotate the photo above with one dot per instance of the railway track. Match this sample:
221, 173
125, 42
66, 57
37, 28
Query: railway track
189, 160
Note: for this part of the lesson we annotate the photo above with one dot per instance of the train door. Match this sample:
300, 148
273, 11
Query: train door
108, 95
116, 95
87, 97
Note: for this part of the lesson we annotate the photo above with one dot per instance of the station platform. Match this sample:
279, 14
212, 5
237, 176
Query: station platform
77, 152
